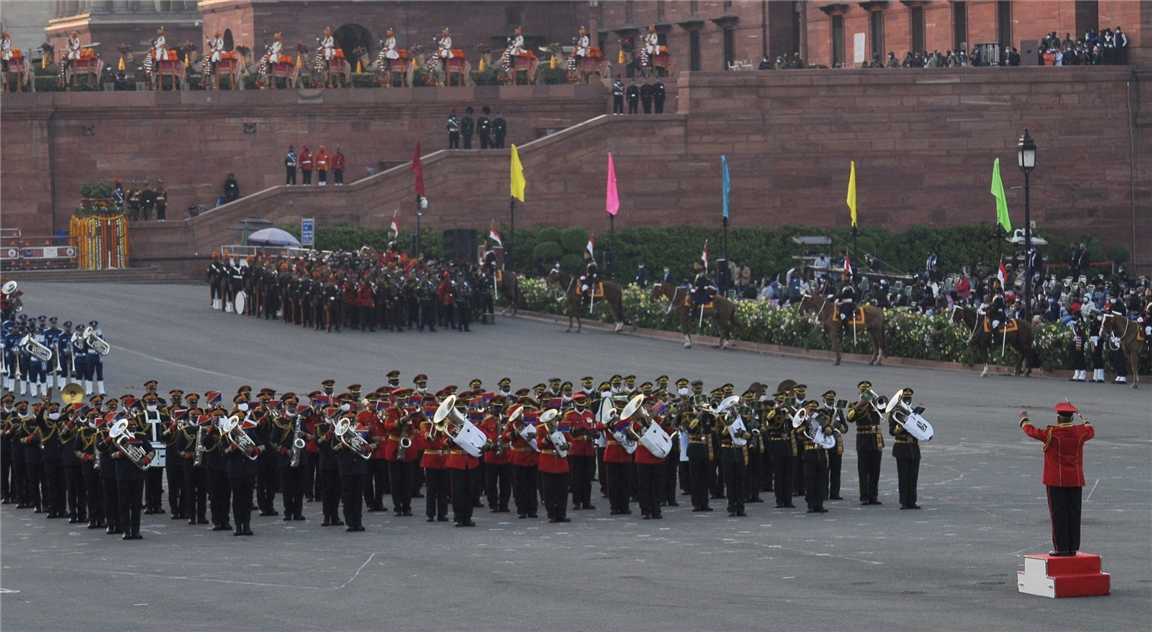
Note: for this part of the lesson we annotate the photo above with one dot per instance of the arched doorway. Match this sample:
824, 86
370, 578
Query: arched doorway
228, 40
352, 36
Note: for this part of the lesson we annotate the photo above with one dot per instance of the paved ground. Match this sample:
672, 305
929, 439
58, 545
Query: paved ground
949, 566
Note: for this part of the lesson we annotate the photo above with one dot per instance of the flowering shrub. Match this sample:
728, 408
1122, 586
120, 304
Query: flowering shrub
908, 334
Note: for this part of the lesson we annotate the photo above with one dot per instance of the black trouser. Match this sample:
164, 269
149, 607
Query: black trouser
220, 496
366, 321
632, 107
77, 493
698, 482
835, 463
20, 492
650, 487
755, 479
175, 472
498, 485
816, 479
292, 487
1064, 506
290, 177
601, 473
130, 495
683, 473
617, 104
555, 494
154, 490
582, 469
6, 475
735, 472
908, 471
195, 498
868, 467
55, 495
782, 465
111, 504
330, 494
453, 140
463, 482
353, 498
400, 479
267, 475
35, 480
94, 498
376, 484
242, 487
671, 465
524, 489
311, 480
619, 491
338, 176
716, 479
798, 487
307, 173
436, 496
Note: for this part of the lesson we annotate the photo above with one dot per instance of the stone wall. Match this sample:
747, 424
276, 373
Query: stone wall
923, 142
194, 139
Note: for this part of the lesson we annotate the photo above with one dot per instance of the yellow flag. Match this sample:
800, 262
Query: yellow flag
358, 67
852, 192
518, 181
482, 64
121, 66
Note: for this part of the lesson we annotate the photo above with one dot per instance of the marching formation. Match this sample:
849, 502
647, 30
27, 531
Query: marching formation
102, 460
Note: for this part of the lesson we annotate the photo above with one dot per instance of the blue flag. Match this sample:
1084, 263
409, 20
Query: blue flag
727, 183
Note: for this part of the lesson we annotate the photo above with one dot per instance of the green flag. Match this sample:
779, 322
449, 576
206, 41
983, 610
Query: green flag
1001, 201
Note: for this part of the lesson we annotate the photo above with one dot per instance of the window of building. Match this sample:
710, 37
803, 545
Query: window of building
628, 6
837, 40
513, 17
659, 10
693, 50
917, 22
1087, 16
727, 4
729, 46
693, 6
228, 40
876, 28
959, 26
1004, 24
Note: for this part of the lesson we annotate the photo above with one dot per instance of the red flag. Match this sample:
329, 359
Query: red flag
416, 169
1003, 276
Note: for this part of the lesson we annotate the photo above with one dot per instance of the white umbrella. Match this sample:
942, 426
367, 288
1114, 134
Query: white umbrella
273, 237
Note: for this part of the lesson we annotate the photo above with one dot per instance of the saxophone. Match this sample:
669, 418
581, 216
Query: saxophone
297, 445
198, 457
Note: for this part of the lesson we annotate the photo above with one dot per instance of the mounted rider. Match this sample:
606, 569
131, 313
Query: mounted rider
388, 48
159, 46
272, 56
591, 275
215, 48
517, 45
846, 303
579, 52
996, 306
327, 46
74, 47
651, 45
444, 46
703, 289
5, 49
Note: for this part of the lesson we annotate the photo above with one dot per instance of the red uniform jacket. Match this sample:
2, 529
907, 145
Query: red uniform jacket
321, 161
310, 424
337, 160
367, 299
522, 452
550, 462
377, 434
434, 449
305, 160
350, 294
491, 427
458, 459
1063, 452
642, 454
394, 432
582, 433
613, 451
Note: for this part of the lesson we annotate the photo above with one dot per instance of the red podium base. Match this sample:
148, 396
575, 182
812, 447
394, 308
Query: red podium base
1051, 576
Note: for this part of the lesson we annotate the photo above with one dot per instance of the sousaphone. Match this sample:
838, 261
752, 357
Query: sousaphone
72, 394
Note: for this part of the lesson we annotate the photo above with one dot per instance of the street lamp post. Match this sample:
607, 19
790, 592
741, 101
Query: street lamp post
1026, 159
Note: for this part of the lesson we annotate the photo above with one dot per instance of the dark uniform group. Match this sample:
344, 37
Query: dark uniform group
72, 357
491, 132
104, 460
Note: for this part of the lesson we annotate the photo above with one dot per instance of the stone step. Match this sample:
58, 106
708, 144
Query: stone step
149, 275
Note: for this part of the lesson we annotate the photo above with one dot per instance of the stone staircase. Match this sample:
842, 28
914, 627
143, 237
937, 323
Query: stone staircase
151, 275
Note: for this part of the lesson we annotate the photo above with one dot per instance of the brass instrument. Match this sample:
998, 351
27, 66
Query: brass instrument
513, 416
551, 422
72, 393
877, 403
350, 439
230, 427
405, 439
14, 300
134, 453
198, 450
95, 342
909, 418
30, 345
297, 443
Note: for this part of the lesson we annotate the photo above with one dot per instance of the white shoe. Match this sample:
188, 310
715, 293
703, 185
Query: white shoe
1122, 379
216, 304
23, 387
87, 387
100, 387
228, 307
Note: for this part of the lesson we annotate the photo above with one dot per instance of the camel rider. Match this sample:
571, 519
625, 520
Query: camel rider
702, 287
5, 49
846, 302
73, 46
327, 45
388, 48
651, 43
159, 49
444, 47
272, 56
215, 49
996, 306
517, 45
591, 276
583, 44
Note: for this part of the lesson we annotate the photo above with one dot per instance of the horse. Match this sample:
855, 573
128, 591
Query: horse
1020, 339
613, 295
823, 311
723, 311
1126, 333
508, 287
24, 75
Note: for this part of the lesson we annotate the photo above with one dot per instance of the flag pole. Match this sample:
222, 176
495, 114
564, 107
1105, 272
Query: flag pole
418, 214
612, 245
511, 228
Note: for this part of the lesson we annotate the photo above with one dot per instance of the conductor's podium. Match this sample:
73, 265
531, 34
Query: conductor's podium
1051, 576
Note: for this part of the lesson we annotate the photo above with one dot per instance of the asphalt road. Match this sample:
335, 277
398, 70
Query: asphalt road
950, 566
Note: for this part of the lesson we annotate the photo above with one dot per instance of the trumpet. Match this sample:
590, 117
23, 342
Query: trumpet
875, 402
134, 453
230, 427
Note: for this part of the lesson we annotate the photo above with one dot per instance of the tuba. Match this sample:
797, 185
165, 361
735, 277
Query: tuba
72, 393
550, 420
14, 299
95, 342
30, 345
909, 418
230, 427
118, 432
451, 423
351, 439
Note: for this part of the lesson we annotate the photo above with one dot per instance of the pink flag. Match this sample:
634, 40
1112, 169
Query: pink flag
613, 197
418, 170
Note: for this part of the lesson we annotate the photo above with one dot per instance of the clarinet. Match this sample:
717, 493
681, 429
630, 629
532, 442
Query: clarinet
199, 450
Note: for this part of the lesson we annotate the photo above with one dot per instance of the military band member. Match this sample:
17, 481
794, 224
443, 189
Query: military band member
88, 438
105, 450
402, 423
376, 481
869, 443
52, 451
838, 425
700, 423
241, 465
194, 441
154, 419
216, 464
814, 458
265, 414
130, 479
33, 455
352, 468
649, 467
329, 491
907, 453
68, 429
782, 445
734, 438
288, 432
1063, 473
525, 460
463, 468
554, 470
582, 454
436, 475
498, 456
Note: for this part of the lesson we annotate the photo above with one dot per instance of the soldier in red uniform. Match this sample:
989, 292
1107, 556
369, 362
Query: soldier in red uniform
525, 464
436, 474
649, 467
306, 165
582, 456
463, 469
338, 162
617, 462
497, 459
554, 471
376, 482
322, 158
401, 423
366, 296
1063, 473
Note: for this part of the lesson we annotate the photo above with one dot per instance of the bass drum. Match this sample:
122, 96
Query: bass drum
241, 299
